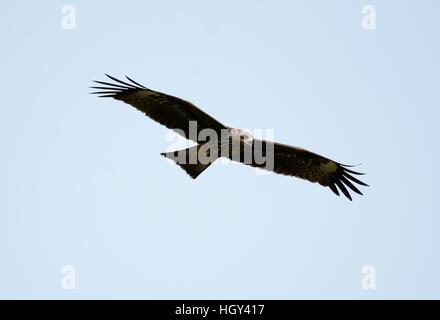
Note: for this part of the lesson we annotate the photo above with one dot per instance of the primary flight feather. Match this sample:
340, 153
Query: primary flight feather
189, 121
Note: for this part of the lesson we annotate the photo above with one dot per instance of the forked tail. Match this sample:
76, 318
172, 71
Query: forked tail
194, 160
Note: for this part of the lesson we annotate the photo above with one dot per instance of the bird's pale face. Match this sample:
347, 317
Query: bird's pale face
241, 136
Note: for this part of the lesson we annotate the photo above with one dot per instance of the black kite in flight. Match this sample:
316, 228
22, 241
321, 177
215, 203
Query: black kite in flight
189, 121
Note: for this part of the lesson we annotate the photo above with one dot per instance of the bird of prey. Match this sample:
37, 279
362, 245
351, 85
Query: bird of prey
190, 122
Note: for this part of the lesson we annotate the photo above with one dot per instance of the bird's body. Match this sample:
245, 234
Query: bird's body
216, 140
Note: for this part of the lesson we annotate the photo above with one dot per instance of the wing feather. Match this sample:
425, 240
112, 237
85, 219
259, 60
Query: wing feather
293, 161
172, 112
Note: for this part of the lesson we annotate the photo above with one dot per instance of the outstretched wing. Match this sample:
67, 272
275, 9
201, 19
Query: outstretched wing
172, 112
310, 166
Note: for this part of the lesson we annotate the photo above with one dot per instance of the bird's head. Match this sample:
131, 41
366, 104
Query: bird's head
241, 136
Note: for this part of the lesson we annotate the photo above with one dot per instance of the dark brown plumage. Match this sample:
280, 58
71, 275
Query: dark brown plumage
293, 161
176, 114
170, 111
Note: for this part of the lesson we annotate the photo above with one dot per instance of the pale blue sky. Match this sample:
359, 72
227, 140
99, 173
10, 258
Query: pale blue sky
82, 182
